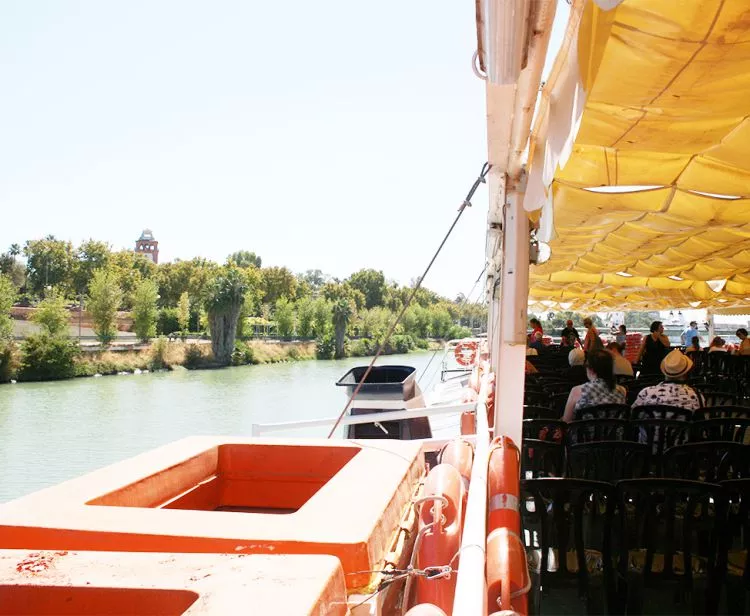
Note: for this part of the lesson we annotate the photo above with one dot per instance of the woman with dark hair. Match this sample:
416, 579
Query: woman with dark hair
744, 348
536, 327
695, 346
654, 348
601, 388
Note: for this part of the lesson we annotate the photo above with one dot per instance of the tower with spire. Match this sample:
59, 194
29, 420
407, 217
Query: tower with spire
147, 246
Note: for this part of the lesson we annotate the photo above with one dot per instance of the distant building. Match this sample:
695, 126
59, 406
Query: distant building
147, 246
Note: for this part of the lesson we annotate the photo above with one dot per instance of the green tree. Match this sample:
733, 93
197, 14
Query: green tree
52, 314
90, 256
11, 267
284, 317
343, 310
195, 276
130, 270
323, 316
442, 322
244, 258
48, 357
305, 317
49, 262
278, 282
7, 297
224, 300
374, 323
145, 310
183, 312
371, 283
315, 278
105, 297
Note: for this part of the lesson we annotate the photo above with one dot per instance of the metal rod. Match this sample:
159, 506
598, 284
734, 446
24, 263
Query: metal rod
471, 596
352, 420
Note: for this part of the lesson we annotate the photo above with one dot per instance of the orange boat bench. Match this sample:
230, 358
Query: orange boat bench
227, 495
107, 584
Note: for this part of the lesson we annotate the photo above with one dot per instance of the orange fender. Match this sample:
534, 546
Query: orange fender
460, 455
468, 423
506, 560
503, 479
440, 543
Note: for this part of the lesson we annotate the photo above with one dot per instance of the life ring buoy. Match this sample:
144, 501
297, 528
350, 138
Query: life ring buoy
466, 353
442, 510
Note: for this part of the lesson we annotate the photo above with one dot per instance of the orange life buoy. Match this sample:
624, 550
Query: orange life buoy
507, 573
466, 353
441, 509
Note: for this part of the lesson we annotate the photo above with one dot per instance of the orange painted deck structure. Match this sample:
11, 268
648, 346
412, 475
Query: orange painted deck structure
231, 495
107, 584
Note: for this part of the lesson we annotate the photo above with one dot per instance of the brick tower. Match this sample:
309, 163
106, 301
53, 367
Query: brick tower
146, 245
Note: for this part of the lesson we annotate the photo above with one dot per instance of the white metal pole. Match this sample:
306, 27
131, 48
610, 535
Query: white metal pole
514, 289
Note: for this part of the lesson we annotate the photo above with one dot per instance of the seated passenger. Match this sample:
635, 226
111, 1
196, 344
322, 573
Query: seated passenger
717, 344
744, 348
601, 388
674, 391
537, 343
622, 366
695, 345
569, 335
577, 371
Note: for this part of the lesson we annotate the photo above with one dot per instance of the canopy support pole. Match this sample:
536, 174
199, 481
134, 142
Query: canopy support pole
514, 295
711, 326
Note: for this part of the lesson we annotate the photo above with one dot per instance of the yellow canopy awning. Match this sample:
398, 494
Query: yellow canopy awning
666, 106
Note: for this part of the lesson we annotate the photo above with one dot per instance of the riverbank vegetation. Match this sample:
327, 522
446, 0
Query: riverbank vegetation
233, 303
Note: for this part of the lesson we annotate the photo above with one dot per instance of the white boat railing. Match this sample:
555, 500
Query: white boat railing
352, 420
471, 596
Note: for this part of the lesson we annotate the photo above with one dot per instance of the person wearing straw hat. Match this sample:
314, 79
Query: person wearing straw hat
674, 390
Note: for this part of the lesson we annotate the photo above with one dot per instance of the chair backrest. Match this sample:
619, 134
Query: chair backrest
587, 430
660, 435
537, 398
557, 401
711, 461
542, 459
662, 527
608, 460
721, 412
660, 411
717, 363
531, 411
557, 387
736, 429
736, 529
569, 518
718, 398
603, 411
552, 430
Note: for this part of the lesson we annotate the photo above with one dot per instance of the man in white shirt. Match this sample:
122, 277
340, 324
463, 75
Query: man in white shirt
690, 333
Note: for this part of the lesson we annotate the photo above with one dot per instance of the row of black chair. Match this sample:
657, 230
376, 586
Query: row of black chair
613, 545
645, 411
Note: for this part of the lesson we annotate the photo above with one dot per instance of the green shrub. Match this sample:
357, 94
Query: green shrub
8, 361
362, 347
422, 343
242, 354
294, 354
458, 331
401, 343
325, 346
159, 350
193, 357
168, 321
46, 357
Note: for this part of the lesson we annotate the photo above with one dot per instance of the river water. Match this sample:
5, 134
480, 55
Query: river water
50, 432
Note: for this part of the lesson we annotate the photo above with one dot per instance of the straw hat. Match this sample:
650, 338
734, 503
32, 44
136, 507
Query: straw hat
675, 365
576, 357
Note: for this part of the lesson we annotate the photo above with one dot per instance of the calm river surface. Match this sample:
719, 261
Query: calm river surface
54, 431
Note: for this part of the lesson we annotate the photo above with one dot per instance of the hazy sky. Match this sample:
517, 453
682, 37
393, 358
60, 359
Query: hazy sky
333, 135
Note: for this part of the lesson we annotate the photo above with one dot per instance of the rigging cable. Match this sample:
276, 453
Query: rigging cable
466, 203
463, 303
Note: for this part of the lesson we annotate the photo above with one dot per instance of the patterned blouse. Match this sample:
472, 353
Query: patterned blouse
671, 394
598, 392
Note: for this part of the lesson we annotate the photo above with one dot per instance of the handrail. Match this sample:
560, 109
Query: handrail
471, 596
351, 420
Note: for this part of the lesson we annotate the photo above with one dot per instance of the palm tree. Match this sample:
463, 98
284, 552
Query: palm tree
343, 309
14, 251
